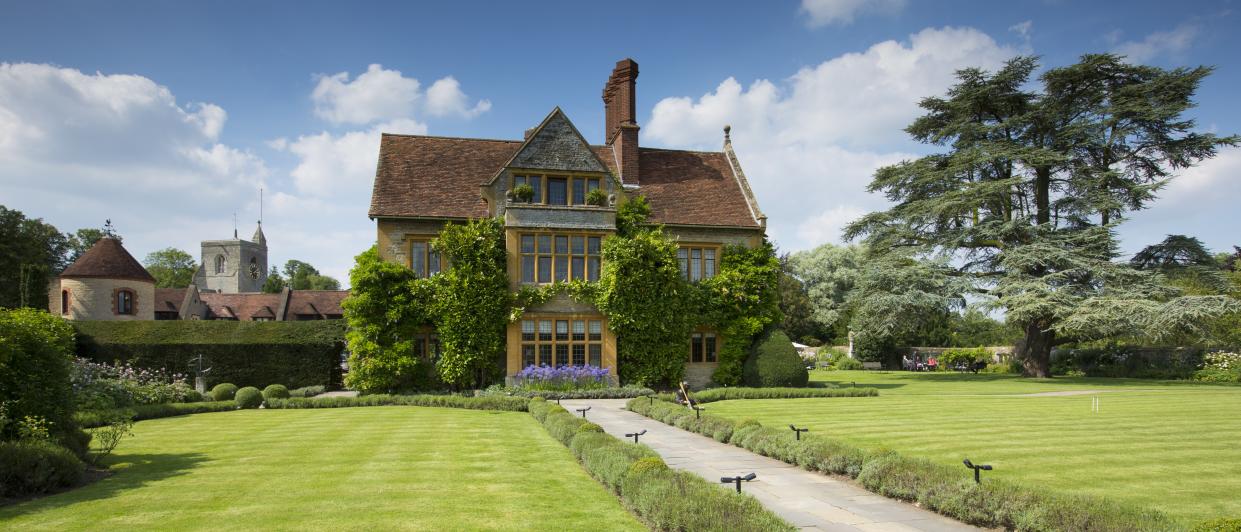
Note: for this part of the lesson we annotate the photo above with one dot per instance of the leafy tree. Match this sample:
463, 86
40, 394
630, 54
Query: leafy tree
1232, 262
385, 309
171, 268
30, 252
1021, 206
275, 282
302, 276
974, 328
472, 302
829, 273
1176, 251
795, 306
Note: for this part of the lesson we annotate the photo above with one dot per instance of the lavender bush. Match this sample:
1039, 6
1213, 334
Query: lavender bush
104, 386
562, 378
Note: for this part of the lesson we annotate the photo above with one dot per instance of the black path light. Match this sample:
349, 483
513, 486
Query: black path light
635, 435
583, 411
737, 480
976, 468
798, 431
698, 411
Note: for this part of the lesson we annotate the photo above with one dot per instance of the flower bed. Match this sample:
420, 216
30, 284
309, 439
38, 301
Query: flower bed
562, 378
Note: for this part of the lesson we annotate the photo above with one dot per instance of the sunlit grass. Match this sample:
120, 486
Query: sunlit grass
376, 468
1171, 446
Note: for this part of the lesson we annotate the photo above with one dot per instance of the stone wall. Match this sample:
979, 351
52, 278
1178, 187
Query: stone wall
236, 276
394, 236
95, 299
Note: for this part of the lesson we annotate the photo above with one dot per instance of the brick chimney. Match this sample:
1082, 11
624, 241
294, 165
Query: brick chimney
620, 119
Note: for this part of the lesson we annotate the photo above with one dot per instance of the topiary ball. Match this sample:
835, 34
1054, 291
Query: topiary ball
224, 391
775, 362
193, 396
276, 391
589, 427
650, 463
249, 397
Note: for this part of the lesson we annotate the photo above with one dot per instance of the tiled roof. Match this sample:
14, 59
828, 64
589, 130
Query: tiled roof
169, 299
244, 307
316, 302
436, 177
420, 176
108, 259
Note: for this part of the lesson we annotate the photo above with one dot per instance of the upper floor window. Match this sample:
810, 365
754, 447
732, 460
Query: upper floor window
703, 347
558, 190
219, 264
547, 257
697, 262
124, 302
423, 258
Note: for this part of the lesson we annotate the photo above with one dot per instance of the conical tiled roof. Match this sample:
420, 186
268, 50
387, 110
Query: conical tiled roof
258, 237
108, 259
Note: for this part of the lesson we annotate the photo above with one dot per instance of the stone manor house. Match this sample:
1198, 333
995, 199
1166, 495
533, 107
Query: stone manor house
107, 283
701, 198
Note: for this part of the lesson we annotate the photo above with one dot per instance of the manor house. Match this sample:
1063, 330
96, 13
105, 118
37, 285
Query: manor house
557, 218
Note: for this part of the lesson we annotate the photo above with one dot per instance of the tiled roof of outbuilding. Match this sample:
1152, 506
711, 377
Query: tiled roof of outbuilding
316, 302
169, 299
108, 259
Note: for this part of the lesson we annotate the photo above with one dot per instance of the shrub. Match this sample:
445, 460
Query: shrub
307, 391
249, 397
847, 364
963, 357
1220, 366
512, 404
276, 391
562, 378
99, 418
109, 435
775, 362
99, 386
589, 427
224, 391
248, 353
33, 467
193, 396
609, 459
523, 193
36, 354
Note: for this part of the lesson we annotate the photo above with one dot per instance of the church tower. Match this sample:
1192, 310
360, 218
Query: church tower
233, 266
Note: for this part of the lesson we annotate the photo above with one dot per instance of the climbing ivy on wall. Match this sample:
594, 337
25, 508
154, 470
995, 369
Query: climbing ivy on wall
647, 302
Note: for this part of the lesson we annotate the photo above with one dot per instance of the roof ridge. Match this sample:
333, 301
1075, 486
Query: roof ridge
448, 137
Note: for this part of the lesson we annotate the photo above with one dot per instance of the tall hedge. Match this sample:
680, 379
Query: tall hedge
36, 352
245, 353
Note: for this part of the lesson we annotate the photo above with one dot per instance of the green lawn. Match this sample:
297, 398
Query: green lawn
375, 468
1174, 446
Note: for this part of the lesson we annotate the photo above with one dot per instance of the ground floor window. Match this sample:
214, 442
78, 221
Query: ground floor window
703, 347
554, 341
427, 346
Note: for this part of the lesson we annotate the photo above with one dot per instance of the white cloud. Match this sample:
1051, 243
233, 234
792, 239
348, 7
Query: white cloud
1200, 201
1159, 44
380, 94
335, 165
811, 142
78, 148
445, 98
842, 12
376, 94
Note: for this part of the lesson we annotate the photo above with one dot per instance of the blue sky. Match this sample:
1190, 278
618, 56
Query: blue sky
167, 117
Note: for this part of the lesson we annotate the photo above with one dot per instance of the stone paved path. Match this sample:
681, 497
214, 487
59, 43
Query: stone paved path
808, 500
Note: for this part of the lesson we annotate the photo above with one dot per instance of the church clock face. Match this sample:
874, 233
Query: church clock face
254, 270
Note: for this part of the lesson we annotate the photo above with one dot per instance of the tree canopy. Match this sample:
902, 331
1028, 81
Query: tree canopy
171, 268
300, 275
30, 252
1021, 204
1176, 251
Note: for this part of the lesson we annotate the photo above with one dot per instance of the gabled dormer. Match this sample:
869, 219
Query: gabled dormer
555, 180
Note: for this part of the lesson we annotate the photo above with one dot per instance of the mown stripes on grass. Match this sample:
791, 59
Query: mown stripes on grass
1165, 446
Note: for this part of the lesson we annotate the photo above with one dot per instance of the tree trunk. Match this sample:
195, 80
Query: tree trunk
1035, 351
1042, 195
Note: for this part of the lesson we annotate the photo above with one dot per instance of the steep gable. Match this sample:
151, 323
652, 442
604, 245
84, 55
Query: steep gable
557, 145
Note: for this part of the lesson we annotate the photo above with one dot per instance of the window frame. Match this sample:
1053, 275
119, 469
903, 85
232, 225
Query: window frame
221, 265
429, 252
427, 345
560, 252
541, 184
695, 270
124, 302
561, 350
64, 301
704, 333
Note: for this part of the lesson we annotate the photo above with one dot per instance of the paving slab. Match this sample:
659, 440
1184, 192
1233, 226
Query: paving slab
807, 500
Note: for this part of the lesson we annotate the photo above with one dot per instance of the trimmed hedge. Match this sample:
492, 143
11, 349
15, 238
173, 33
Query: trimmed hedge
249, 397
944, 489
99, 418
775, 362
224, 391
248, 353
33, 467
512, 404
307, 391
663, 498
724, 394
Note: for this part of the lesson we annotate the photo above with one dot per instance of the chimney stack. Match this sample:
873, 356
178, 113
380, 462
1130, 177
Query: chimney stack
620, 118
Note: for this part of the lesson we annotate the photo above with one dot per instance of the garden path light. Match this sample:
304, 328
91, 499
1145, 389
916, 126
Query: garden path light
635, 435
976, 469
737, 480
